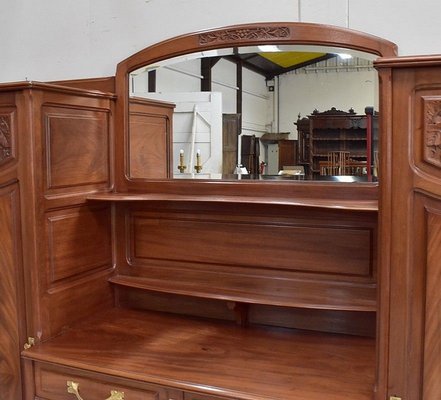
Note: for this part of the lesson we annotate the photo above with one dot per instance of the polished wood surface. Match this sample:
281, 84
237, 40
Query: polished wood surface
63, 142
79, 237
106, 84
255, 363
294, 293
298, 257
11, 291
150, 139
410, 209
72, 136
314, 202
50, 382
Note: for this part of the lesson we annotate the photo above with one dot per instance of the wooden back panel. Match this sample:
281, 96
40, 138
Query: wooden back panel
261, 254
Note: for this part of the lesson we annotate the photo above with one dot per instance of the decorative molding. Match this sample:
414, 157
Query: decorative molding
432, 131
5, 137
334, 111
257, 33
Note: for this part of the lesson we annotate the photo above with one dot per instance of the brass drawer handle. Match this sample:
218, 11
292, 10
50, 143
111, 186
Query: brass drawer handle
74, 388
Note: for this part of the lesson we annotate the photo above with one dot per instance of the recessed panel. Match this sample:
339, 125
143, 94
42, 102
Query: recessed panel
77, 147
78, 242
149, 135
257, 246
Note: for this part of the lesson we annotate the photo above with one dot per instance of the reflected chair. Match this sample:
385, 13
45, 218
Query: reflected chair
338, 162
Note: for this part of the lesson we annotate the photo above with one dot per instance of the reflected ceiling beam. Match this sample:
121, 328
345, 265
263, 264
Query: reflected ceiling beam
247, 63
239, 84
269, 69
206, 65
152, 81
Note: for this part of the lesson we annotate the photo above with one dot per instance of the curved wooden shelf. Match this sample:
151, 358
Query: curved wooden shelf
350, 205
324, 295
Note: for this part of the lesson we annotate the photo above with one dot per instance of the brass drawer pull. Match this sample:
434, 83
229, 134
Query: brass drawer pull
74, 388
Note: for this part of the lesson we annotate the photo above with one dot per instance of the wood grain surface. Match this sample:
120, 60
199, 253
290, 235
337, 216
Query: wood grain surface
254, 363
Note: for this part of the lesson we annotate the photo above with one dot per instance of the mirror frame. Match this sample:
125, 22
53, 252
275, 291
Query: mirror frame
289, 33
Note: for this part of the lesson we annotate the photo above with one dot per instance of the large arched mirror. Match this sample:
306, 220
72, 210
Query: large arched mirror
277, 101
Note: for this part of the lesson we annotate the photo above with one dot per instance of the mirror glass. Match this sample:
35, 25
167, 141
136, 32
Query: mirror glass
284, 112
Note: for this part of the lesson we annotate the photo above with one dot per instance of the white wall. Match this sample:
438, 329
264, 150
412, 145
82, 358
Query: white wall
302, 93
68, 39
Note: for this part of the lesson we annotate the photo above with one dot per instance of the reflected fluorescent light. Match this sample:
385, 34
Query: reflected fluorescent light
268, 48
209, 53
345, 178
344, 56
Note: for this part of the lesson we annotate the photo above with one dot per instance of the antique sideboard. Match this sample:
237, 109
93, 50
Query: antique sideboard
118, 282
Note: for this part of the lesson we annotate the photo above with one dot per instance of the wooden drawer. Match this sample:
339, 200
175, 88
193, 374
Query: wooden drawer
51, 384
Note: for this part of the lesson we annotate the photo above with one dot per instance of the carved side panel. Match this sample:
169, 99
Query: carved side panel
10, 265
7, 134
432, 131
77, 148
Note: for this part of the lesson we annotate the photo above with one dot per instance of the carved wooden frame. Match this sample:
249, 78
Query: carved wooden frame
232, 36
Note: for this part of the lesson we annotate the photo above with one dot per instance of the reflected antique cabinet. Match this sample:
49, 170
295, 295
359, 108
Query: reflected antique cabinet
118, 286
337, 131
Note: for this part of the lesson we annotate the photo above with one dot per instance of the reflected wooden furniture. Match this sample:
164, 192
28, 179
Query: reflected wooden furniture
325, 137
333, 166
107, 276
337, 163
230, 138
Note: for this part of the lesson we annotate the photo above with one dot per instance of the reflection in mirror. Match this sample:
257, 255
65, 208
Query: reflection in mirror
285, 112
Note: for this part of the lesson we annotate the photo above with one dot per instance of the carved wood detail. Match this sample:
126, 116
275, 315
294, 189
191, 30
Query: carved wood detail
257, 33
432, 131
5, 137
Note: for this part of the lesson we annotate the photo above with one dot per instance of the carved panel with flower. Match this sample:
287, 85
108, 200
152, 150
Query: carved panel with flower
432, 131
5, 137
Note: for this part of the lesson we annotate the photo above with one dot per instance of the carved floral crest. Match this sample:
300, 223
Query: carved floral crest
244, 34
5, 137
432, 131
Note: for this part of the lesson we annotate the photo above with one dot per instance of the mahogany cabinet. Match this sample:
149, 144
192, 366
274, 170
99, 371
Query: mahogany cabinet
172, 290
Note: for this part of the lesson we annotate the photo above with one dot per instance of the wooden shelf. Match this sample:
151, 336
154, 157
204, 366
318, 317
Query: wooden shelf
216, 358
355, 205
325, 295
